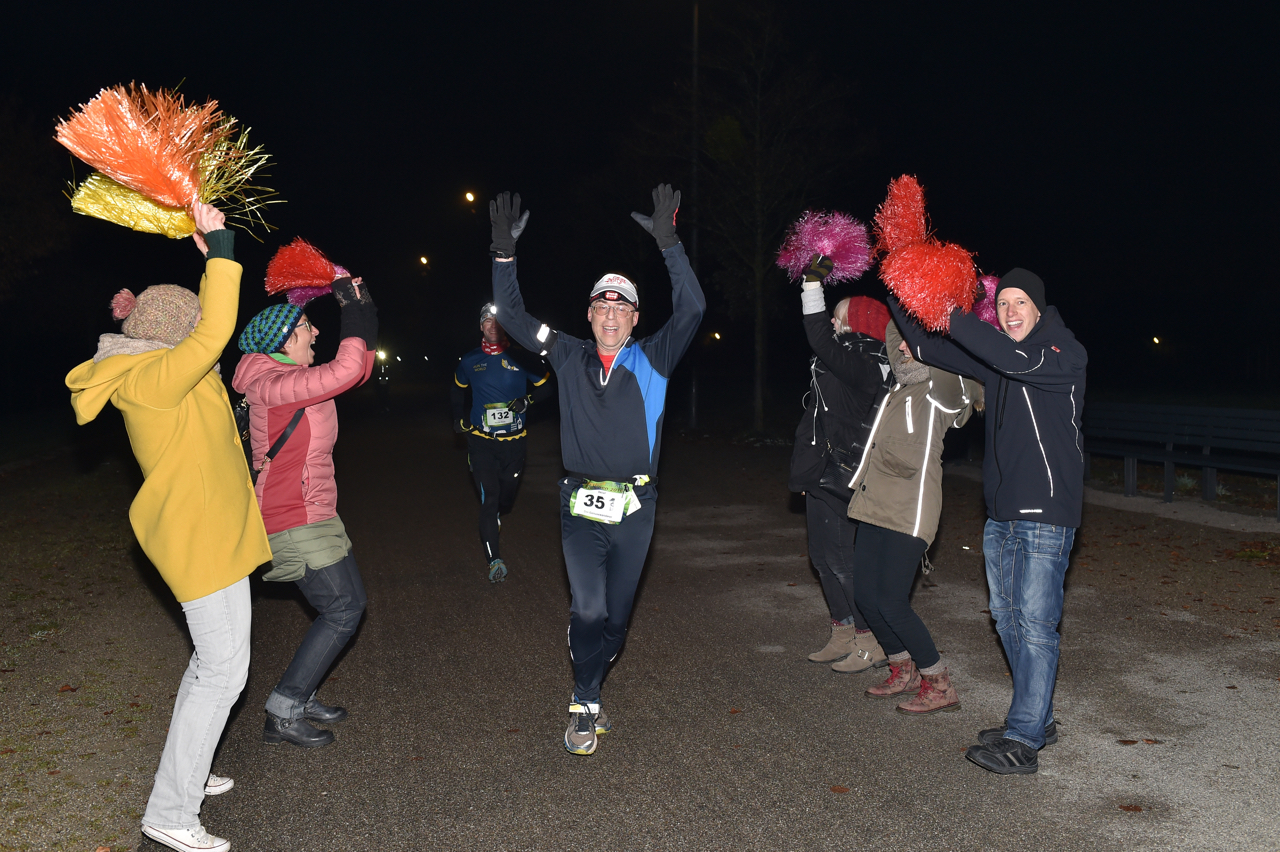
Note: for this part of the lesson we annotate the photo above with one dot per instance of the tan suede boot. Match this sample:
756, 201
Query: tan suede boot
866, 653
839, 645
936, 693
903, 677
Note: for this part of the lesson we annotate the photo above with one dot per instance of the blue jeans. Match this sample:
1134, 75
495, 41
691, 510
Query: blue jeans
219, 668
1026, 564
337, 593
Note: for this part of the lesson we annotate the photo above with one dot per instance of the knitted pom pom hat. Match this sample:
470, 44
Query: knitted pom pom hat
163, 312
268, 331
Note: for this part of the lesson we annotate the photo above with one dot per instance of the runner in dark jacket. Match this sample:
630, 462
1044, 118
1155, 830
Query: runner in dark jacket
1033, 482
849, 370
612, 402
502, 388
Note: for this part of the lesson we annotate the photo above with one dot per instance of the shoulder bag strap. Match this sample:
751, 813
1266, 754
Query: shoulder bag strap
284, 436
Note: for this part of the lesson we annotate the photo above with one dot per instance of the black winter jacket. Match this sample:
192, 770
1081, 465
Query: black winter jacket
1033, 468
610, 423
849, 374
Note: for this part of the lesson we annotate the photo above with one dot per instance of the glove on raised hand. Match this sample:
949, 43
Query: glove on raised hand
662, 224
819, 268
506, 223
359, 315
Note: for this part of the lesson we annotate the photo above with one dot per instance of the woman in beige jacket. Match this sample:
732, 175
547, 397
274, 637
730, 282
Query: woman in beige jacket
897, 497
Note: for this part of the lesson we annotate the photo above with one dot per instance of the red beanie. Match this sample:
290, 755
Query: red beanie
869, 316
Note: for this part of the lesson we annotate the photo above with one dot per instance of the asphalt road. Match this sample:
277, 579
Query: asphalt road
725, 737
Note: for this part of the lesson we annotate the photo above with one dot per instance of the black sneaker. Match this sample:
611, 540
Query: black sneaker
992, 735
1005, 757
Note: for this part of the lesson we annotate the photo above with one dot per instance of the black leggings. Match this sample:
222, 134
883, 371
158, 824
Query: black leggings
496, 467
884, 568
603, 562
831, 538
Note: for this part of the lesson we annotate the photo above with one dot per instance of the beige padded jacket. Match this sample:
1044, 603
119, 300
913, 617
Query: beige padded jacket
898, 483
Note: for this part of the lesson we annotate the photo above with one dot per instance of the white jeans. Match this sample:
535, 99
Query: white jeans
219, 668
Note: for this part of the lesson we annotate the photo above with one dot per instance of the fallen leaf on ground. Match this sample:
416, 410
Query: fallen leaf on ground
1133, 809
734, 710
838, 789
1154, 742
66, 687
1127, 742
513, 730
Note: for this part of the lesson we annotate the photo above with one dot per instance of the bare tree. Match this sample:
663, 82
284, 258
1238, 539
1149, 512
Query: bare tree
776, 138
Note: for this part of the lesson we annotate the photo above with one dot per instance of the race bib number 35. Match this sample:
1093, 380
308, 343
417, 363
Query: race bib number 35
598, 504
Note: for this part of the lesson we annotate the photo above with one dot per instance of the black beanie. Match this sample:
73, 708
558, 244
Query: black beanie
1026, 281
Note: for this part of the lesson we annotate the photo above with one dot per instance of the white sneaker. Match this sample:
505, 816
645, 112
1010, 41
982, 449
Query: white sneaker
217, 785
187, 839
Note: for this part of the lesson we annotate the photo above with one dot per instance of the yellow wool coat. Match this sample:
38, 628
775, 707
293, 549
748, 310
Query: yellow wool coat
195, 516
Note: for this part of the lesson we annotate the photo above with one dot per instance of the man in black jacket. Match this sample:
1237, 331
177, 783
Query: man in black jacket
612, 401
1033, 483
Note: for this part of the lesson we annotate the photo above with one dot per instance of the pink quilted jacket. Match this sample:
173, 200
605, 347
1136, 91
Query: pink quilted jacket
298, 486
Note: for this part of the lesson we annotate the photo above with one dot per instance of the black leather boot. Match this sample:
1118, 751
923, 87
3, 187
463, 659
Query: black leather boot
299, 732
314, 711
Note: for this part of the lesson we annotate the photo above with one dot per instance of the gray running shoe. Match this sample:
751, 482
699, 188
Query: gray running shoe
580, 736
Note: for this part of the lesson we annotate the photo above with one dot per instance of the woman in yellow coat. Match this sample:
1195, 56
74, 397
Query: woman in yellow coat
195, 516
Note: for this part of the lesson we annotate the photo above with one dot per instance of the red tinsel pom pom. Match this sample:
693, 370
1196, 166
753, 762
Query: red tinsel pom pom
299, 264
930, 279
900, 220
836, 235
122, 304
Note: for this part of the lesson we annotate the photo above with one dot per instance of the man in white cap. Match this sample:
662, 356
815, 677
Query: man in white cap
612, 401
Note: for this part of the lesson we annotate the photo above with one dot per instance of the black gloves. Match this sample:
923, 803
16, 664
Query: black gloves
507, 223
519, 405
359, 315
819, 268
662, 224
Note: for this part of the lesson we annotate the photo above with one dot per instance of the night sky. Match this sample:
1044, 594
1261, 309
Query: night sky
1122, 153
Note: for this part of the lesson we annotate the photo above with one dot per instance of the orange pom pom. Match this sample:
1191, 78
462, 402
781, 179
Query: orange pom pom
150, 142
930, 279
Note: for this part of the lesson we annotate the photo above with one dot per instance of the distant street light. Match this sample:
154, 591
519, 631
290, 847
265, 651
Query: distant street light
1155, 340
717, 335
470, 197
424, 260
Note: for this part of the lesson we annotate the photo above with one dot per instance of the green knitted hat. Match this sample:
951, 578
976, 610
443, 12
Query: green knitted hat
268, 331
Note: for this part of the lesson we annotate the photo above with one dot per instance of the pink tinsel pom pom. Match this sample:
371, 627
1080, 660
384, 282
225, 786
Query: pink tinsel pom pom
985, 307
122, 304
299, 296
836, 235
340, 272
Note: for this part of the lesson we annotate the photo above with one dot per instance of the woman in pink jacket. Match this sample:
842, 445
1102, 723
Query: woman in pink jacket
293, 427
